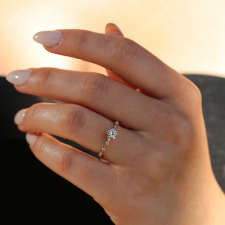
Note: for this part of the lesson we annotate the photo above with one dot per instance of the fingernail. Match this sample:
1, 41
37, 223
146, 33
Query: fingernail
18, 77
20, 116
48, 38
31, 138
112, 28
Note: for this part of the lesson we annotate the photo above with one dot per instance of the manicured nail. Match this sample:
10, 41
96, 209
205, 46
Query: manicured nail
18, 77
20, 116
112, 28
48, 38
31, 138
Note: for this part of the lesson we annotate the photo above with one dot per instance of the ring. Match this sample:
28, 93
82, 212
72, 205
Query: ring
110, 134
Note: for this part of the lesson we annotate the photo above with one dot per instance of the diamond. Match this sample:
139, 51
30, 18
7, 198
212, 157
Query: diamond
112, 133
100, 154
103, 149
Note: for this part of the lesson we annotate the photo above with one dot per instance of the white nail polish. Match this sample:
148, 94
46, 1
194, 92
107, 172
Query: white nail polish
20, 116
18, 77
48, 38
31, 138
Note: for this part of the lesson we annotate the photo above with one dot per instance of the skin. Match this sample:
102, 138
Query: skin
157, 170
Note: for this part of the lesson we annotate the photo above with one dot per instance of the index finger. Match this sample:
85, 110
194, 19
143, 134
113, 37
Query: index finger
130, 61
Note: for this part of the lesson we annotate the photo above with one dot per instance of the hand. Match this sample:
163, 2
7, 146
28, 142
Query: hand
157, 170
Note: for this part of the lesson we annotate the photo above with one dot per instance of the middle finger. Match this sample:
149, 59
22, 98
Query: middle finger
124, 57
97, 92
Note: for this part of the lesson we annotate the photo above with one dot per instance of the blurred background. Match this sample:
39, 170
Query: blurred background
187, 35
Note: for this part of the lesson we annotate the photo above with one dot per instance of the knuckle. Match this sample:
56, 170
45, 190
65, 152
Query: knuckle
125, 50
191, 96
66, 162
195, 96
45, 76
95, 86
82, 39
72, 119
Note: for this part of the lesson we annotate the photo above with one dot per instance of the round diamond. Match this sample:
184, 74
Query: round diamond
112, 133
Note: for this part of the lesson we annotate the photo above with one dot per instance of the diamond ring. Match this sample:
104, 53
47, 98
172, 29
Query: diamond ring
110, 134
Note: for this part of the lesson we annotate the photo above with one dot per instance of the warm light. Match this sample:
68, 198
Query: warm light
188, 35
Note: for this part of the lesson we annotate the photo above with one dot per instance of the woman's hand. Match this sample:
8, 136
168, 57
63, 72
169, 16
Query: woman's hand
157, 170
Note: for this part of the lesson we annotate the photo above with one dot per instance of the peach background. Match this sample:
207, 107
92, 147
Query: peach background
188, 35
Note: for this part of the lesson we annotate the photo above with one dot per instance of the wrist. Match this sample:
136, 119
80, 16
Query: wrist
207, 206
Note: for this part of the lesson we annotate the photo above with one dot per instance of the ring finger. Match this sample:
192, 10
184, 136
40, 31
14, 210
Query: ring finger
79, 124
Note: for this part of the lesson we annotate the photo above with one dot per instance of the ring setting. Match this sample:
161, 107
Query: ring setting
111, 134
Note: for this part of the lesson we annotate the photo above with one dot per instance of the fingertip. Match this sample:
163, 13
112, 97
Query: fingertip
19, 117
48, 38
31, 138
113, 29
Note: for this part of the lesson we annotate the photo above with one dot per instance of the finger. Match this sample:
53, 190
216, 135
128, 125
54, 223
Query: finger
112, 29
78, 124
122, 56
97, 92
86, 172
